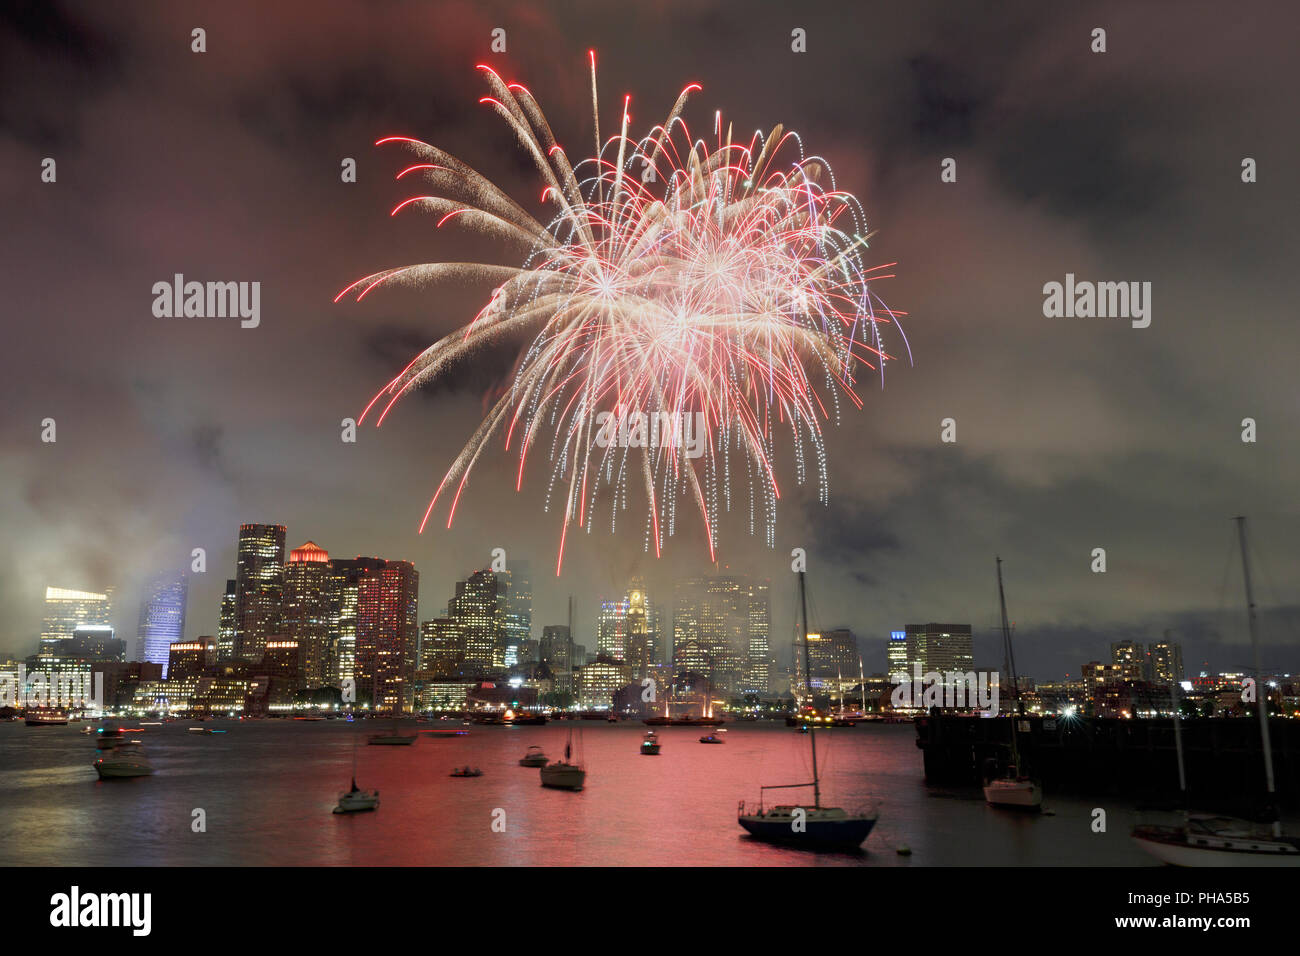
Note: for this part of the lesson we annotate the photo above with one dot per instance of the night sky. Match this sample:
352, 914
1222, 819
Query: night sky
1072, 433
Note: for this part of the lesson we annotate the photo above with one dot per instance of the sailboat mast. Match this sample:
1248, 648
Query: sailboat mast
1261, 689
568, 743
1006, 643
1178, 737
1015, 681
807, 679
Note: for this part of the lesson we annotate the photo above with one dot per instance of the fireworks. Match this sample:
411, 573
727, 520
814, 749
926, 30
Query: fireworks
688, 306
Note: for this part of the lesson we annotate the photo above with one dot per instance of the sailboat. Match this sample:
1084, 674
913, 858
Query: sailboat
395, 738
813, 826
565, 774
1204, 839
356, 799
1015, 789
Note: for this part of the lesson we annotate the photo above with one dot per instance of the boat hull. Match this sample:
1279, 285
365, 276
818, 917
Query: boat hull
358, 804
397, 741
846, 834
1014, 795
116, 771
1169, 845
563, 777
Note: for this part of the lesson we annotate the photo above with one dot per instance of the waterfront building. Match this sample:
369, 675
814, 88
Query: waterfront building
259, 588
515, 588
442, 647
1129, 658
226, 625
611, 630
1166, 661
188, 659
720, 628
758, 673
479, 610
900, 664
67, 609
310, 612
348, 575
388, 635
596, 683
940, 648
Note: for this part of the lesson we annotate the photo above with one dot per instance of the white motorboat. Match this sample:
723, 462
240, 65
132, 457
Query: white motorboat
124, 760
533, 757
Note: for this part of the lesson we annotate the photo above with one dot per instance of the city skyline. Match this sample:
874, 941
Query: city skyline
301, 614
1071, 434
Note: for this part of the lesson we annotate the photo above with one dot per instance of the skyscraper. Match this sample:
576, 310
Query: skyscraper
309, 612
556, 651
1130, 659
833, 656
724, 631
516, 585
259, 588
348, 575
757, 673
162, 617
388, 635
689, 654
639, 642
721, 626
226, 625
66, 610
940, 648
1166, 661
479, 612
899, 663
611, 630
442, 648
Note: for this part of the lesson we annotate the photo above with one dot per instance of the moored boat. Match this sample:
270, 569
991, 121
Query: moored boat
357, 800
533, 757
125, 760
1209, 840
1014, 788
812, 827
45, 718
